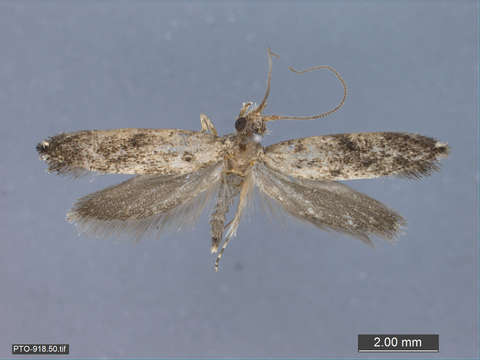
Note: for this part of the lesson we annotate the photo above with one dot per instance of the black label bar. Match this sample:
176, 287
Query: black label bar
398, 343
40, 349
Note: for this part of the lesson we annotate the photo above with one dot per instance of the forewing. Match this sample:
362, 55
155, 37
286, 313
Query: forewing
329, 205
356, 156
131, 151
145, 203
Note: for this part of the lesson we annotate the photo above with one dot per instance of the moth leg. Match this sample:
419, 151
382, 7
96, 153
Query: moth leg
245, 192
219, 256
207, 125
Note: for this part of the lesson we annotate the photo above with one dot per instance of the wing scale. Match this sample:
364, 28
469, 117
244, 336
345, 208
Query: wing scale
329, 205
131, 151
356, 156
145, 203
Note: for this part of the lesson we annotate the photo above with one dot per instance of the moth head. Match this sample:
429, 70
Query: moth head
250, 123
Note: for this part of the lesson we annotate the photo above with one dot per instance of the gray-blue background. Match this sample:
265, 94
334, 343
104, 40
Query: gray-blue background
287, 290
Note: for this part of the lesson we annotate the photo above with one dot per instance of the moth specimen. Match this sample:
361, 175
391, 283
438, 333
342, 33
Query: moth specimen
178, 171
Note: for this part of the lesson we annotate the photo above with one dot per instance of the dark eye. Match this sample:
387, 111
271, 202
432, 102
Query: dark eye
240, 124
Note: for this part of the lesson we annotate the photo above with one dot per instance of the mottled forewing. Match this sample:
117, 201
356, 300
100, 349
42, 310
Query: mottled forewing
131, 151
329, 205
356, 156
146, 203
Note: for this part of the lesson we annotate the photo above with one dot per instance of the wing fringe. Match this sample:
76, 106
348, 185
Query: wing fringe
330, 205
145, 204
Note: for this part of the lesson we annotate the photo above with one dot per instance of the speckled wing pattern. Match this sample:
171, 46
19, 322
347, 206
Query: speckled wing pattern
329, 205
146, 203
356, 156
131, 151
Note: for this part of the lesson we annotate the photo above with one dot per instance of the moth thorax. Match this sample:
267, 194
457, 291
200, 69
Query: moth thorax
257, 138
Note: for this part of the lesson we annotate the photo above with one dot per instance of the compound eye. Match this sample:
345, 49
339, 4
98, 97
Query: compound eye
240, 124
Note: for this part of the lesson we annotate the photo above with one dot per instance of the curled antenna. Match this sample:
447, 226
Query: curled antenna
262, 105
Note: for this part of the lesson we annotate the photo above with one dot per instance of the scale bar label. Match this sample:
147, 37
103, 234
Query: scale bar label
398, 343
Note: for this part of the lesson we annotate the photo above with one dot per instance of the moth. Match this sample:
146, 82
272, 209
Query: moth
178, 171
